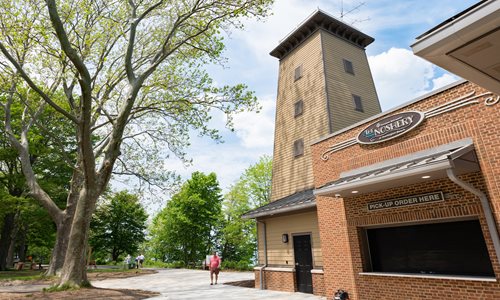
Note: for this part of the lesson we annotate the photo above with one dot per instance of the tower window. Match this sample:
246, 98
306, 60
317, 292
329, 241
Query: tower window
299, 108
358, 104
298, 147
298, 72
348, 67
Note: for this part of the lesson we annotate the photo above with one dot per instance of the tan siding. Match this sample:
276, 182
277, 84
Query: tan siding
341, 85
292, 174
279, 253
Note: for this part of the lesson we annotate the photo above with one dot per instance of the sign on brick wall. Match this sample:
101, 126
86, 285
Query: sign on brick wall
390, 127
406, 201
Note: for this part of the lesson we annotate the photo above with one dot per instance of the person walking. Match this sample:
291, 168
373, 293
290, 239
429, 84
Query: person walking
214, 268
140, 259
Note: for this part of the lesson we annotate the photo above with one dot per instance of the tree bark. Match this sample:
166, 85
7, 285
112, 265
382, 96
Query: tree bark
5, 239
64, 227
74, 271
10, 253
60, 246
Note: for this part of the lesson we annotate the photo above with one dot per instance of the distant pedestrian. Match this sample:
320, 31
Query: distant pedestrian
140, 260
214, 268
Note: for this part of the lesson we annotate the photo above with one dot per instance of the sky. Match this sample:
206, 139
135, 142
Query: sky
399, 75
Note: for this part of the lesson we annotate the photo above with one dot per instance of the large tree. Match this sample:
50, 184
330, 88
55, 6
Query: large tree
22, 217
185, 229
253, 189
131, 73
118, 225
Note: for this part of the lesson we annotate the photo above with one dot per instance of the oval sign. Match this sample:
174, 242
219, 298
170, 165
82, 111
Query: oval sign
390, 127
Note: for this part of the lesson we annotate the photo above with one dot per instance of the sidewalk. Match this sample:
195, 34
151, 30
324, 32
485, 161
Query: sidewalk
176, 284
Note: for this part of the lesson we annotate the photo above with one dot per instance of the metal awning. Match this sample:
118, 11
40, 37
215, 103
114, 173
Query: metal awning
295, 202
410, 169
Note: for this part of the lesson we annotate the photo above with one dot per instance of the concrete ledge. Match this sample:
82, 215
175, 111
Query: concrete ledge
274, 269
317, 271
431, 276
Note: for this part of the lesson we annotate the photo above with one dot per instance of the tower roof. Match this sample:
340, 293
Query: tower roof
320, 20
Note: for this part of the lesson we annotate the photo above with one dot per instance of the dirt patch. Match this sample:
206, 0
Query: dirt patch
81, 294
92, 276
242, 283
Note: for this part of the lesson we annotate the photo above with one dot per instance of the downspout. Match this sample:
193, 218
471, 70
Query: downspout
490, 221
265, 254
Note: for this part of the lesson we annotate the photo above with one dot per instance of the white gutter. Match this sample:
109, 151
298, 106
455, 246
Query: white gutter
490, 220
265, 254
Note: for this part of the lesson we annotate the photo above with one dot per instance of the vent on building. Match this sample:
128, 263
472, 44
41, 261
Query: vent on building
358, 105
298, 72
348, 67
299, 108
298, 147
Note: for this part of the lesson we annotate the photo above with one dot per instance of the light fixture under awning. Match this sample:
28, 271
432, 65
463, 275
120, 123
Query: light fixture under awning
410, 169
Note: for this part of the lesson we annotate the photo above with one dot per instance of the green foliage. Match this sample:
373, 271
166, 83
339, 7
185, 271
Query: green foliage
185, 229
32, 225
118, 225
241, 265
238, 236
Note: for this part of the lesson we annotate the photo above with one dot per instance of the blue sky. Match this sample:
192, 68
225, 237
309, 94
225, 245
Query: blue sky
399, 75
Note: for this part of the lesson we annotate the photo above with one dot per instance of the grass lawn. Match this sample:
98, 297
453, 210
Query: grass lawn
21, 275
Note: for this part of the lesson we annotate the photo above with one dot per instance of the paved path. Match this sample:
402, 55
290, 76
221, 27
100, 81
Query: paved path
176, 284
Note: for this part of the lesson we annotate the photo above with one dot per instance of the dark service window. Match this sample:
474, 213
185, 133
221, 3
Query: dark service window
453, 248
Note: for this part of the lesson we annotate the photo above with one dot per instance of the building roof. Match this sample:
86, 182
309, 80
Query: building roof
298, 201
409, 169
320, 20
467, 44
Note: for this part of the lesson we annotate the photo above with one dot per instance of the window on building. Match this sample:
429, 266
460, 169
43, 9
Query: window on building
452, 248
358, 104
298, 147
298, 72
348, 67
299, 108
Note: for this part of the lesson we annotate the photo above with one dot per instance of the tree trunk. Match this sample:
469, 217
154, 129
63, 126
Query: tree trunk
5, 239
10, 253
64, 227
74, 271
60, 247
114, 254
22, 244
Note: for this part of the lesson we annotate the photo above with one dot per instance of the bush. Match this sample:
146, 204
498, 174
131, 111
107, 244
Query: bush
156, 264
241, 265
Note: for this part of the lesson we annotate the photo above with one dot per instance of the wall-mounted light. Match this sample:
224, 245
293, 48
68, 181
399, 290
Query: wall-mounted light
284, 237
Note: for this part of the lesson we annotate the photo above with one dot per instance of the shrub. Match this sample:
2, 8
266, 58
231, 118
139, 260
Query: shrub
241, 265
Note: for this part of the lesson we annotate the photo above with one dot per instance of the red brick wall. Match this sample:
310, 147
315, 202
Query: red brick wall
341, 219
277, 281
318, 284
285, 281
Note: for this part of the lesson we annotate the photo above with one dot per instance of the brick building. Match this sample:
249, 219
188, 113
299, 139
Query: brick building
402, 204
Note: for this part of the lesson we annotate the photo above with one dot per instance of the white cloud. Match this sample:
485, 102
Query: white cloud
443, 80
400, 76
257, 130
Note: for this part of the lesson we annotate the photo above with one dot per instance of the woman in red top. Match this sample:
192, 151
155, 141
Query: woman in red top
214, 268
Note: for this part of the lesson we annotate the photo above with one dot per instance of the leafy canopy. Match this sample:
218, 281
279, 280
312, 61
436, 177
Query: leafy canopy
118, 225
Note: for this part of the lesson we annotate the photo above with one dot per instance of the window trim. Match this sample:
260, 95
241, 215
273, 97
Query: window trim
350, 69
299, 103
356, 108
298, 72
295, 147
